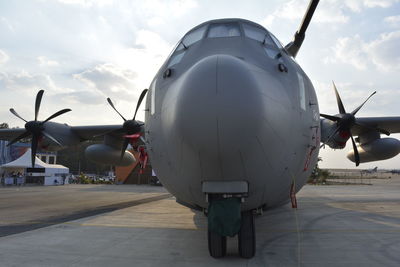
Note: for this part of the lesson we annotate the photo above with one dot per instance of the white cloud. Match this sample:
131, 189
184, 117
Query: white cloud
160, 8
109, 80
3, 57
7, 23
328, 11
379, 3
87, 97
383, 53
349, 50
359, 5
86, 3
145, 56
27, 81
44, 61
393, 21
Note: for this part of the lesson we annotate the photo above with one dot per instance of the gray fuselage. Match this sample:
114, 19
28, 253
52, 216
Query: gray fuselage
224, 111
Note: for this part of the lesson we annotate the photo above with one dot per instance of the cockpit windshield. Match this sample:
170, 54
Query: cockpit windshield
192, 37
271, 45
276, 41
219, 29
257, 33
223, 30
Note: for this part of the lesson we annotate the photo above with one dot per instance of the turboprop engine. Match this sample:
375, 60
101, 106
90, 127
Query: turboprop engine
107, 155
379, 149
111, 153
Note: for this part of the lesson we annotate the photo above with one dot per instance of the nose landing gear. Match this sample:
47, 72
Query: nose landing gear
221, 224
225, 218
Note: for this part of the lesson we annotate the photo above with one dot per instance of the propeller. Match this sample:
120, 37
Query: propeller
36, 128
130, 127
345, 121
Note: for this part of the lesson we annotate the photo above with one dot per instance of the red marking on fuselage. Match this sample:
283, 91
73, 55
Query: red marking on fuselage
293, 196
133, 139
344, 134
143, 156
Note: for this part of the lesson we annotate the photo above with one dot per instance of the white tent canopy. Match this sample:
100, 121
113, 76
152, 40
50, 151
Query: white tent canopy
53, 172
25, 162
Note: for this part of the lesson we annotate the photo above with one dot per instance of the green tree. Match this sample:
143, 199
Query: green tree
318, 176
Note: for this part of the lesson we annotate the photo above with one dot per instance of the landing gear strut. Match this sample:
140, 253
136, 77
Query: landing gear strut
247, 236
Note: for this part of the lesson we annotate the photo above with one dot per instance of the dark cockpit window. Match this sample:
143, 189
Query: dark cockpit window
175, 59
277, 42
257, 34
192, 37
223, 30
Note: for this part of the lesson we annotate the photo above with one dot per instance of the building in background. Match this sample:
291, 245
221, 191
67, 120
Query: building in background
11, 153
15, 162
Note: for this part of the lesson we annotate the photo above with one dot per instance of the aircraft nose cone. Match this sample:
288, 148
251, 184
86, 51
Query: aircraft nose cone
218, 94
221, 110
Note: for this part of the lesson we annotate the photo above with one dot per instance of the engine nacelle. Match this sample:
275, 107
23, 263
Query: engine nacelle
379, 149
106, 155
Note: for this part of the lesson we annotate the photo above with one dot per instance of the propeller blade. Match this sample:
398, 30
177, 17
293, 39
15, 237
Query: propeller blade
112, 105
330, 136
356, 155
329, 117
34, 145
23, 135
339, 100
124, 147
380, 130
16, 114
37, 103
51, 138
58, 113
357, 109
140, 101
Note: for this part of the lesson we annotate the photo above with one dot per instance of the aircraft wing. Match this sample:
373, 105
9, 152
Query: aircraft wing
97, 131
94, 131
83, 132
9, 134
390, 124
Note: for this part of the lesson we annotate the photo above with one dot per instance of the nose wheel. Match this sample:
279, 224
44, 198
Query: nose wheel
216, 244
246, 239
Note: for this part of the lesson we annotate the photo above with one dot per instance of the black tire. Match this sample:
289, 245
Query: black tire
216, 245
247, 236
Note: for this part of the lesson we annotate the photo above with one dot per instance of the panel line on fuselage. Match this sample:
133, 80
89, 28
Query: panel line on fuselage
219, 152
264, 152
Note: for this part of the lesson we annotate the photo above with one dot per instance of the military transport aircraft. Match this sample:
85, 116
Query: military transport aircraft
232, 127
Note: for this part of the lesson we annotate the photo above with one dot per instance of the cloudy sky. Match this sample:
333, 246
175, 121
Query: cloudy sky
83, 51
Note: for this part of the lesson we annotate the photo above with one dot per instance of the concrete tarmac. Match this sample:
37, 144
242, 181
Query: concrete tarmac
91, 225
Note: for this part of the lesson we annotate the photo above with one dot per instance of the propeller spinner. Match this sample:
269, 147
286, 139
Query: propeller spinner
345, 121
36, 128
130, 127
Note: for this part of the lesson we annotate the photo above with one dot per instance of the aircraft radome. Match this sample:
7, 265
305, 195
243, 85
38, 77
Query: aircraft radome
232, 127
